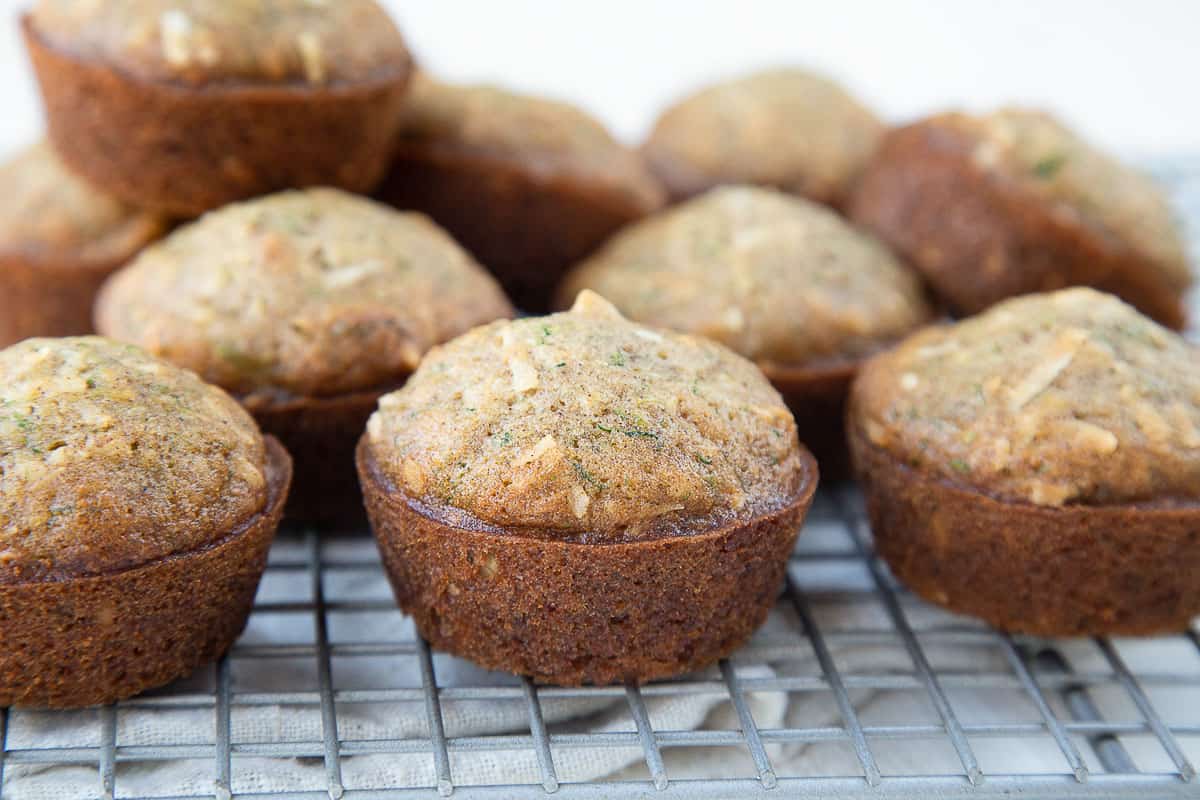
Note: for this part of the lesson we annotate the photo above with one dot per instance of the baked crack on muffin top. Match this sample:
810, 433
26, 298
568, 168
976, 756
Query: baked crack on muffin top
583, 426
546, 136
308, 42
778, 279
110, 458
48, 214
788, 128
301, 293
1088, 184
1065, 398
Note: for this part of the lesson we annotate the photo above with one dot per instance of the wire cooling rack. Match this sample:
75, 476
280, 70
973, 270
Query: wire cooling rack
870, 692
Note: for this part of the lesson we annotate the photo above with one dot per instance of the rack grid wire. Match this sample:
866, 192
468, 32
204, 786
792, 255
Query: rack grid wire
1120, 718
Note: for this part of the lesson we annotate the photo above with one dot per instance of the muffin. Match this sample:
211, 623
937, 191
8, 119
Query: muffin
581, 499
307, 306
59, 240
528, 185
1039, 466
787, 128
1012, 202
185, 105
137, 504
780, 280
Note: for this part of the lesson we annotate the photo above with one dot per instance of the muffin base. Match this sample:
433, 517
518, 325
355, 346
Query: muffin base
979, 237
817, 399
185, 150
48, 298
1046, 571
569, 613
98, 639
321, 434
526, 228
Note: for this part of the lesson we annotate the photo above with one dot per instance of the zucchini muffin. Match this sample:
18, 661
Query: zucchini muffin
528, 185
137, 504
1013, 202
306, 306
59, 240
780, 280
1039, 466
787, 128
581, 499
185, 105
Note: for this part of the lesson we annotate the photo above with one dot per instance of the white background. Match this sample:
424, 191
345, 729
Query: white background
1126, 73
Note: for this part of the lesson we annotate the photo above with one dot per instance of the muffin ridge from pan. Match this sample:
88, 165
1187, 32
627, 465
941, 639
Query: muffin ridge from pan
1055, 437
780, 280
59, 239
307, 306
787, 128
184, 105
622, 463
135, 500
1014, 202
529, 185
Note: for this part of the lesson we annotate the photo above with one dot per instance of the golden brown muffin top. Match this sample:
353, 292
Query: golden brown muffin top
583, 426
307, 293
1084, 183
780, 280
549, 138
110, 458
1070, 397
312, 42
46, 213
786, 128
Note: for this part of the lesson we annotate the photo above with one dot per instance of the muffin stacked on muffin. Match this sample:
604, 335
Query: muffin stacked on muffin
528, 185
778, 279
307, 306
1013, 202
136, 504
59, 240
549, 493
1039, 466
185, 105
786, 128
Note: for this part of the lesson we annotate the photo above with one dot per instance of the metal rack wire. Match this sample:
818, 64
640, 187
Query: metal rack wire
1119, 718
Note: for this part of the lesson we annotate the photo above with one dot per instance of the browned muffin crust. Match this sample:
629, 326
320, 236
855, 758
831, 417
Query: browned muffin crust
145, 625
59, 239
621, 611
1012, 203
185, 106
1080, 570
778, 279
529, 185
1039, 466
110, 458
307, 306
787, 128
136, 507
600, 449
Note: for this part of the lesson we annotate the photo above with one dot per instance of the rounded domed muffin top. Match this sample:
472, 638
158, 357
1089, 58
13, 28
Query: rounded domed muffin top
1084, 183
307, 293
311, 42
1070, 397
110, 458
786, 128
46, 213
583, 426
781, 280
545, 136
